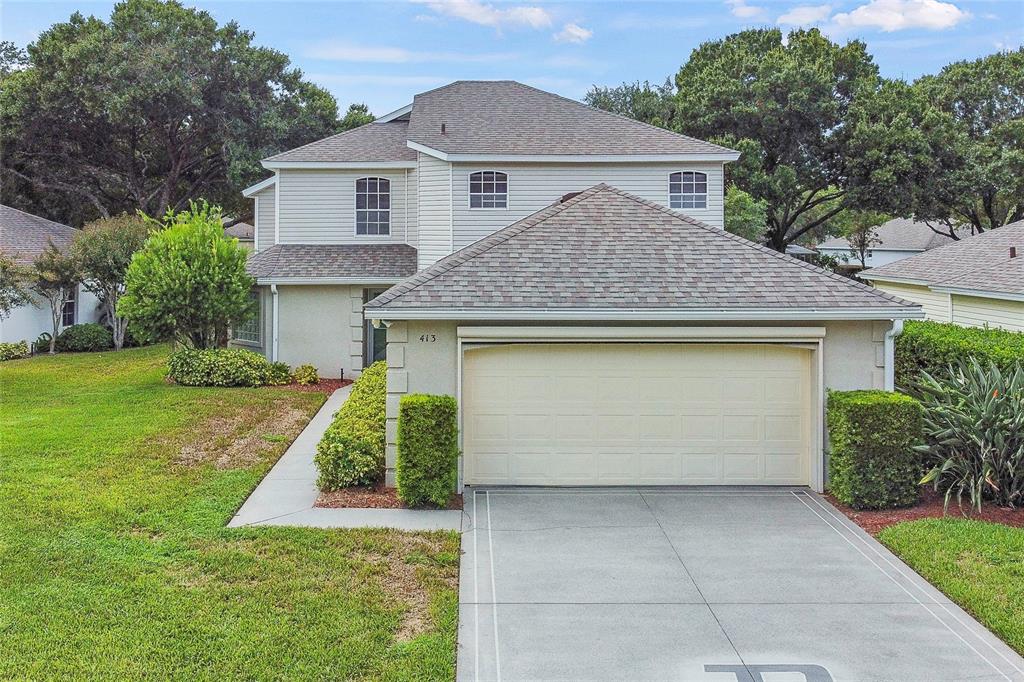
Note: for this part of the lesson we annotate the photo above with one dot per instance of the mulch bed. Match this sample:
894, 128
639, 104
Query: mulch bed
930, 507
324, 386
367, 497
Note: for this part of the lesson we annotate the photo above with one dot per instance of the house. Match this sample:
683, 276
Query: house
243, 232
895, 239
24, 236
565, 274
974, 282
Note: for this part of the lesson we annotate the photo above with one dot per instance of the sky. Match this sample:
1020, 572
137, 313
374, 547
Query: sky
382, 53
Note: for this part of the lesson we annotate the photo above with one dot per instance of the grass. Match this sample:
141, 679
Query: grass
978, 565
115, 563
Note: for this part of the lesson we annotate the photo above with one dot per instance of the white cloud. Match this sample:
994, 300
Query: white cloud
573, 33
804, 15
897, 15
490, 15
742, 10
350, 52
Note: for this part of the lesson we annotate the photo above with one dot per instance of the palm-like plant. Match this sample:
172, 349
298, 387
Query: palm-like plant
974, 429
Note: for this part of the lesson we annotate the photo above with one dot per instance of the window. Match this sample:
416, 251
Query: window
688, 189
375, 341
69, 312
488, 189
373, 206
249, 332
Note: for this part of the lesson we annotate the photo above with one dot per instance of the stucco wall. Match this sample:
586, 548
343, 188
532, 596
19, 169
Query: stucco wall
423, 358
27, 322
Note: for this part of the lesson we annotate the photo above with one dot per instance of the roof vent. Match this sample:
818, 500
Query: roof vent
570, 195
1013, 252
443, 129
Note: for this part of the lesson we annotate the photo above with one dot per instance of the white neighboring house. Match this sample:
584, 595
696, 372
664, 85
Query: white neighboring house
23, 236
975, 282
898, 238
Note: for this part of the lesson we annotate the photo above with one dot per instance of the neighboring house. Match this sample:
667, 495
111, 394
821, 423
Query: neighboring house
897, 239
564, 272
975, 282
243, 232
23, 236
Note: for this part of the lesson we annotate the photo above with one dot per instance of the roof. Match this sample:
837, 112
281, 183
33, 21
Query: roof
373, 142
503, 118
981, 263
608, 250
24, 236
333, 261
243, 231
898, 234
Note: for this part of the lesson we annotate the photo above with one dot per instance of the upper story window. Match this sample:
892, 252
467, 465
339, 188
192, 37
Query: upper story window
488, 189
373, 206
688, 189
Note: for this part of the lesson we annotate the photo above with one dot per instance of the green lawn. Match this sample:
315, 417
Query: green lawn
114, 560
978, 565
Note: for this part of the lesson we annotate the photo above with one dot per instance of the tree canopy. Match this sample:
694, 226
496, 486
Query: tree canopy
147, 111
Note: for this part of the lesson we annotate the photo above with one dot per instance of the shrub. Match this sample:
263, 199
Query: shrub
932, 347
85, 338
279, 374
306, 375
974, 427
351, 451
14, 351
872, 438
428, 449
218, 367
42, 342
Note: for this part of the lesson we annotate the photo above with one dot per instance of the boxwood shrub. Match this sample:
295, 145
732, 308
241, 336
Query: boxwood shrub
85, 338
932, 347
14, 351
351, 451
873, 463
279, 374
306, 375
428, 450
218, 367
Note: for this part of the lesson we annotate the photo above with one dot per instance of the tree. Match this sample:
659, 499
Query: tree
12, 58
357, 115
103, 251
784, 105
861, 232
54, 277
744, 215
640, 101
147, 111
188, 282
13, 293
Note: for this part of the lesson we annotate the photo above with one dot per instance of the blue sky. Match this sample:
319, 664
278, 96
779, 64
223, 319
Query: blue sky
382, 53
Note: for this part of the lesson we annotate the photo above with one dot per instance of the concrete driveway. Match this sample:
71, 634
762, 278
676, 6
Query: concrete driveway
699, 584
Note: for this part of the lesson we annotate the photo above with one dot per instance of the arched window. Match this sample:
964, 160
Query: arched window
488, 189
373, 206
688, 189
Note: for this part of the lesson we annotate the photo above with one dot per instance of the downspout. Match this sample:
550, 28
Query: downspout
273, 324
890, 354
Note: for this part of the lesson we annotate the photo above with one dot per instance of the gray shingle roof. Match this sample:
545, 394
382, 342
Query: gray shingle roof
23, 236
283, 261
506, 117
365, 144
242, 231
902, 234
606, 249
980, 262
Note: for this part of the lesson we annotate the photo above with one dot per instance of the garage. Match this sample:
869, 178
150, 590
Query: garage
637, 413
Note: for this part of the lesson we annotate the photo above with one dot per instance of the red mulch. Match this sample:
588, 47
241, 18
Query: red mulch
930, 507
325, 386
370, 497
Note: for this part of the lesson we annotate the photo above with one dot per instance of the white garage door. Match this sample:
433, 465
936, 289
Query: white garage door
640, 414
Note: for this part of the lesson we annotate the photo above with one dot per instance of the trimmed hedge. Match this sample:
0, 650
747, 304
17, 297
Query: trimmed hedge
932, 347
428, 449
218, 367
873, 463
85, 338
351, 451
14, 351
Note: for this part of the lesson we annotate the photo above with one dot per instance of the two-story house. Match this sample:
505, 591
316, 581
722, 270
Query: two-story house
565, 273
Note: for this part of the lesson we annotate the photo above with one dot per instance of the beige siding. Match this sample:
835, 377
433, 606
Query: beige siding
935, 304
318, 206
265, 217
534, 186
435, 235
972, 311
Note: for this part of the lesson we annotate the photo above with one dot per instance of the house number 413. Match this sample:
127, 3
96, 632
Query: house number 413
428, 338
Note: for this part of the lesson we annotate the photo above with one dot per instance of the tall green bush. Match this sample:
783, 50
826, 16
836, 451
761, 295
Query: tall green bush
428, 449
873, 463
351, 451
933, 347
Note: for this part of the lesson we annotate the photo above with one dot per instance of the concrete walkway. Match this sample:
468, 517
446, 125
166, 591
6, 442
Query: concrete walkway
287, 494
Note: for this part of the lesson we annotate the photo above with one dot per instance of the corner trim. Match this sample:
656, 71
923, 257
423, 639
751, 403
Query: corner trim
259, 186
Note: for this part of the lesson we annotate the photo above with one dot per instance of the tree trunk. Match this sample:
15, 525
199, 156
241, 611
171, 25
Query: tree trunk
56, 308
